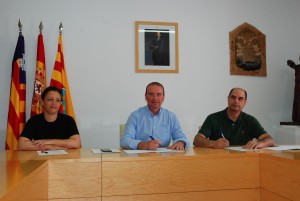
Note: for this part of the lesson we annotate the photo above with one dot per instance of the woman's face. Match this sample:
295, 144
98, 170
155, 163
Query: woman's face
51, 102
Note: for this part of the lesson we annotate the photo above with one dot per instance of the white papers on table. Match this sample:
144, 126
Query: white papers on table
277, 148
241, 149
284, 147
159, 150
98, 151
51, 152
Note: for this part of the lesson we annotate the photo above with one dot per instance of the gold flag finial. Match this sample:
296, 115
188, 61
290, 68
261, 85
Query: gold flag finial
60, 28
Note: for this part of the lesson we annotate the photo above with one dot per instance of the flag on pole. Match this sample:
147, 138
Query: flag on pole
40, 78
17, 101
59, 80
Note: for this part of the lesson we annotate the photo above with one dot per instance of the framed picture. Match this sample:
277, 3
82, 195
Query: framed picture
156, 47
247, 51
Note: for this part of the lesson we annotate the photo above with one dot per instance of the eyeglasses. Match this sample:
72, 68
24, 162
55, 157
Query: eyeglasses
233, 97
52, 100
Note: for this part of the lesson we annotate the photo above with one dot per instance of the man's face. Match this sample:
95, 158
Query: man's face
155, 97
236, 100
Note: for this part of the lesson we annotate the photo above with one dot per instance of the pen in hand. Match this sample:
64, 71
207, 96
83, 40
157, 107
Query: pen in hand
224, 138
152, 138
223, 135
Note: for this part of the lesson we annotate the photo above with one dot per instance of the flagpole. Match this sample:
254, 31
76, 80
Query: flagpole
63, 90
60, 80
17, 100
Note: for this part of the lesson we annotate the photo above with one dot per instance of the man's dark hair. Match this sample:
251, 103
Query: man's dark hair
51, 88
241, 89
155, 84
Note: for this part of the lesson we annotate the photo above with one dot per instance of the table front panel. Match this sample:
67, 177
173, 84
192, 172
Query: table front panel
74, 180
186, 175
281, 176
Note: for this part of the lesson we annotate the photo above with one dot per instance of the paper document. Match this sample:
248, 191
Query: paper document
241, 149
159, 150
51, 152
285, 147
98, 151
277, 148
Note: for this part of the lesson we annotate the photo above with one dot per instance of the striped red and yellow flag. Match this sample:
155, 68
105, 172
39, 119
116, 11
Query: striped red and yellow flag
17, 101
40, 78
59, 79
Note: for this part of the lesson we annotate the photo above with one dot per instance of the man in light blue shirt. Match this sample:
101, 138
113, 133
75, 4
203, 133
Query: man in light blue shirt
151, 126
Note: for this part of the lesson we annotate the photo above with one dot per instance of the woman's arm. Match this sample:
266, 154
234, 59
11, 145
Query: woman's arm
72, 143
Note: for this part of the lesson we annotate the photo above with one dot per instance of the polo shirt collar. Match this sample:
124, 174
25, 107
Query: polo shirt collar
240, 118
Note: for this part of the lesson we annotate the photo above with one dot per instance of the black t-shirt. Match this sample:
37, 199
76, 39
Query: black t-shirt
38, 128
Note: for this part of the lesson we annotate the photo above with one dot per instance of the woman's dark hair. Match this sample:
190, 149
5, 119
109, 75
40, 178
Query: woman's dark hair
50, 88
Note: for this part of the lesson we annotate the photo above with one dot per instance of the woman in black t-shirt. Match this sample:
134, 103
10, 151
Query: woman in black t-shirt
50, 130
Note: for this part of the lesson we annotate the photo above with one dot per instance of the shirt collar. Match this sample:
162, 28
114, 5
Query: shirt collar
240, 118
150, 113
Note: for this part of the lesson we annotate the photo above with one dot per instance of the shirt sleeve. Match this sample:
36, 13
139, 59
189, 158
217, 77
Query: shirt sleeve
258, 130
128, 140
72, 127
28, 130
205, 128
177, 133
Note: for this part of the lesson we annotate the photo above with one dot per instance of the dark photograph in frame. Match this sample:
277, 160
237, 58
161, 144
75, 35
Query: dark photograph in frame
156, 47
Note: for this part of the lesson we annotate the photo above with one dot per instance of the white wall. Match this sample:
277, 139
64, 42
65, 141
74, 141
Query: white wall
99, 38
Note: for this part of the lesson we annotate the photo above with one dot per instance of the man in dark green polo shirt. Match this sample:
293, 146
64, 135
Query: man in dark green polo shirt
233, 127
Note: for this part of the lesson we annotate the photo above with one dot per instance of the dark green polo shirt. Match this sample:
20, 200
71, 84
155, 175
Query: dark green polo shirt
244, 129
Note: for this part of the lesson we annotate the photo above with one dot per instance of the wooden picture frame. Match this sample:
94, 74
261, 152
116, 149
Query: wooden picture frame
156, 47
247, 51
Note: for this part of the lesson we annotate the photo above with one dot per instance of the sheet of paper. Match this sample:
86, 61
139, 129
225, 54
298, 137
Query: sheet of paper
159, 150
98, 151
241, 149
52, 152
284, 147
277, 148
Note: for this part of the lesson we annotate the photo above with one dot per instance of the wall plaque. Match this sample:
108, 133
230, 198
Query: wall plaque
247, 51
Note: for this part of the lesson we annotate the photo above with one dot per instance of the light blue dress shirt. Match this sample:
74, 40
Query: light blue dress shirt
142, 124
